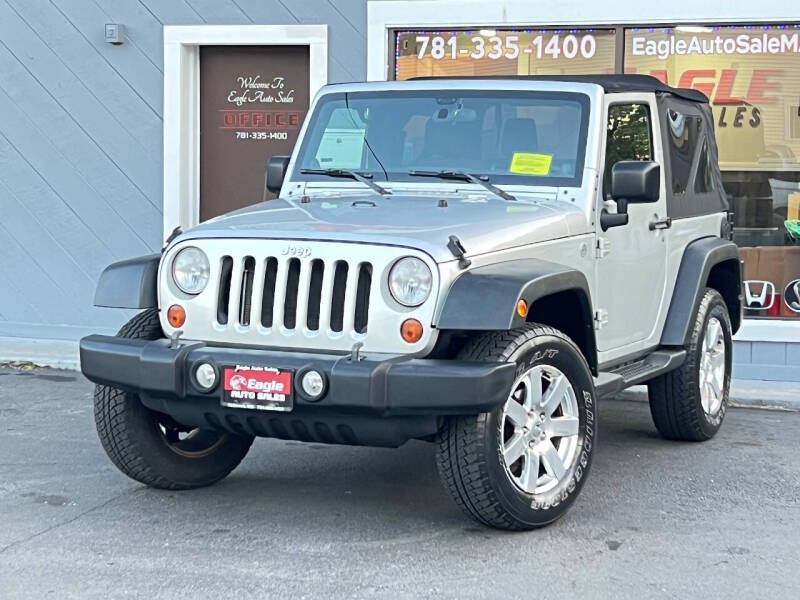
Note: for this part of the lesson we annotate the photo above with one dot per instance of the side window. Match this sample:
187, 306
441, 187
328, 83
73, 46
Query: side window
683, 133
702, 180
628, 138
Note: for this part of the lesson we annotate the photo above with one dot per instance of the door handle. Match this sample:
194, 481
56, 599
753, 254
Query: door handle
665, 223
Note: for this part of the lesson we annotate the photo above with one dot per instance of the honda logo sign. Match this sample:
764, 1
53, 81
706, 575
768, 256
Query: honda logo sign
758, 294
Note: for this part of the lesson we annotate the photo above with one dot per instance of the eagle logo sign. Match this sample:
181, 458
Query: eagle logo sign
238, 382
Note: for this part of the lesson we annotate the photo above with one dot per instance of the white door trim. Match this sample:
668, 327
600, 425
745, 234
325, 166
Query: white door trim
181, 204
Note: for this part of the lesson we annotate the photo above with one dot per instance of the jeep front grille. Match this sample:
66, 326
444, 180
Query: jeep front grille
297, 295
312, 295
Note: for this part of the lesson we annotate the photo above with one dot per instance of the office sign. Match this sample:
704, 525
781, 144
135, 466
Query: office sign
253, 100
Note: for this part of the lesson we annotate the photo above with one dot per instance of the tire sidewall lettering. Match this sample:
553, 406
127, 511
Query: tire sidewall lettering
537, 357
582, 462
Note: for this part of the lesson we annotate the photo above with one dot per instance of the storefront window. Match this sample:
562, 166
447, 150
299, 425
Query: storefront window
751, 74
503, 52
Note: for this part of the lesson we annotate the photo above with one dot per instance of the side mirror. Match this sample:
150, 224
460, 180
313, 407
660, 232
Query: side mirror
632, 181
276, 171
636, 181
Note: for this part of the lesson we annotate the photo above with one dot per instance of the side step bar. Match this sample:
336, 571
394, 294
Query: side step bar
652, 365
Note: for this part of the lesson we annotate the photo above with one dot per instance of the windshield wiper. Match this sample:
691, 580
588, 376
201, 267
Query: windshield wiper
365, 178
482, 180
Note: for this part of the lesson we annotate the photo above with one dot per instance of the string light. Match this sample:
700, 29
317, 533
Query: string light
402, 37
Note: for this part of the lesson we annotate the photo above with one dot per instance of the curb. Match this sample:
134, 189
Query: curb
745, 393
57, 354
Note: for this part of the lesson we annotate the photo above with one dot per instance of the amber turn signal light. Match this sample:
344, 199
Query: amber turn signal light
176, 315
411, 331
522, 308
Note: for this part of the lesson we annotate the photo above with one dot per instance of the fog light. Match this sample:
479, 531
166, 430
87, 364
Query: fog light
206, 376
176, 315
313, 384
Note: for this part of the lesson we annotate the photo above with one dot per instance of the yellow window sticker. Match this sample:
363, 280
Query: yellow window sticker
529, 163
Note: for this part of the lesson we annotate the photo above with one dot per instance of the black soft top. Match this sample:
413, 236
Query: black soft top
610, 83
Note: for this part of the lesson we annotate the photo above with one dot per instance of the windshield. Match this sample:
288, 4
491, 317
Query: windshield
524, 138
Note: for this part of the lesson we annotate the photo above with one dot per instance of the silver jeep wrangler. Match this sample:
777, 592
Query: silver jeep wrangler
472, 262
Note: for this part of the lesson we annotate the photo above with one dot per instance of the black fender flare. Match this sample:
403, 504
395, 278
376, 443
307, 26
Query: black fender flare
700, 257
129, 283
485, 298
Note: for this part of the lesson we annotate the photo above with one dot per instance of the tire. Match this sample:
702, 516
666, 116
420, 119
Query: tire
678, 405
147, 446
471, 449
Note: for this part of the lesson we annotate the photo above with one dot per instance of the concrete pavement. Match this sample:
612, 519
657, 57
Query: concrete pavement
655, 519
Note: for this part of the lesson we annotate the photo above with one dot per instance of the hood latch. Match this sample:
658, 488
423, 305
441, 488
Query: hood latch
457, 248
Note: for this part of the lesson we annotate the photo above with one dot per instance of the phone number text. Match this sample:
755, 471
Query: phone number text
495, 47
262, 135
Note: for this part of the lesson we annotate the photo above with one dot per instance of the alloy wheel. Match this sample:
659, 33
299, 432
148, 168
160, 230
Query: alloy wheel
539, 429
712, 367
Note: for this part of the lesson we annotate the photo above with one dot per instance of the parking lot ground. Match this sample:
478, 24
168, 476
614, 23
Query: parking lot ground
655, 519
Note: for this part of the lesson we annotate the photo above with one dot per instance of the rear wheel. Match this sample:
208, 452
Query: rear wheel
153, 448
522, 465
689, 403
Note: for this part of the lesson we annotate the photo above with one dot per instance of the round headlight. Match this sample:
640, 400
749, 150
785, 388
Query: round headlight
410, 281
190, 270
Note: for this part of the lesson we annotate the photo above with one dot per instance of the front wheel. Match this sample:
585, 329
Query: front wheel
153, 448
522, 465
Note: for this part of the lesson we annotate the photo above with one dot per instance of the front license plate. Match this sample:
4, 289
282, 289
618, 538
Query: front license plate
259, 388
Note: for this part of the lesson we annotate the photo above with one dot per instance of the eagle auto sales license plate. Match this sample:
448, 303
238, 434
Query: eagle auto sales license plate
259, 388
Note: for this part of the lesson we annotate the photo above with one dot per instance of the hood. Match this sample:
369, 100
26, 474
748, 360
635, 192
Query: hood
483, 223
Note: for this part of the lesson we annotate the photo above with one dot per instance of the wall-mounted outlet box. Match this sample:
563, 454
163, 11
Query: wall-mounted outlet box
114, 33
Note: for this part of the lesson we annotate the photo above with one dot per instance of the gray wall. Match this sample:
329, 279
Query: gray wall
80, 141
773, 361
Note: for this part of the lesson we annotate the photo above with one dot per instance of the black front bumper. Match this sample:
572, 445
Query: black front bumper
377, 400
